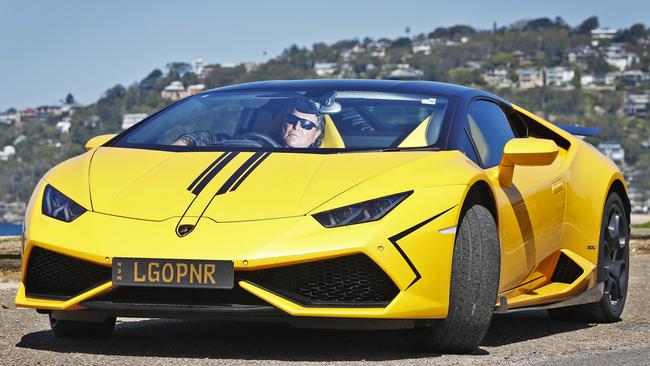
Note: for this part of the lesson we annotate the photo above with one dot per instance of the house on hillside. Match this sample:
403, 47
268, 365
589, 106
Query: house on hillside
579, 54
634, 77
63, 126
48, 110
637, 104
198, 65
405, 72
28, 113
497, 78
530, 78
7, 152
129, 119
324, 69
176, 90
10, 118
599, 81
616, 56
424, 46
603, 33
560, 76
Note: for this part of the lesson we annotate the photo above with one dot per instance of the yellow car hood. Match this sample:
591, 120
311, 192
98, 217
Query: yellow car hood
157, 185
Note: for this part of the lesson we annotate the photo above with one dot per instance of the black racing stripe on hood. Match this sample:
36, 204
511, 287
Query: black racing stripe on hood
212, 173
249, 171
215, 162
239, 172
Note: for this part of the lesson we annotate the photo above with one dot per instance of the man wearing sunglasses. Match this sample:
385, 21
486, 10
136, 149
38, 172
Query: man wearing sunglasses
302, 129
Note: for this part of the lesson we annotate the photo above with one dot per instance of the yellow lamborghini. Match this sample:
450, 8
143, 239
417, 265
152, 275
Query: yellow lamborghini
331, 203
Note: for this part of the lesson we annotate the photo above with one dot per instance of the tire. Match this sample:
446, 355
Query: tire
613, 269
82, 329
473, 290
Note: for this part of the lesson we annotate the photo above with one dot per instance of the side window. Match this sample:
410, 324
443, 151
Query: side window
489, 129
467, 148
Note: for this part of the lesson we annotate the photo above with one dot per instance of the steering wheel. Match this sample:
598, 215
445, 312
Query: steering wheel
261, 137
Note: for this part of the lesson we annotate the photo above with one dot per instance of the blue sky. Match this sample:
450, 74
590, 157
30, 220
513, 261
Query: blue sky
50, 48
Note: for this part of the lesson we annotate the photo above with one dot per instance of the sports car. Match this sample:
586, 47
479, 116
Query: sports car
410, 205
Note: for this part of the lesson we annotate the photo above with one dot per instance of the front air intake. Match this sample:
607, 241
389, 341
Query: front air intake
51, 275
350, 281
566, 270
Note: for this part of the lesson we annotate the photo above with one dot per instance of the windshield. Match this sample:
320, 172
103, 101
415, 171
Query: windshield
336, 120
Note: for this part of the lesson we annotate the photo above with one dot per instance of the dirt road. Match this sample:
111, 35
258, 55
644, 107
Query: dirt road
520, 338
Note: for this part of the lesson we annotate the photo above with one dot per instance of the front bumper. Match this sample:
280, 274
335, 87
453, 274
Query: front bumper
406, 245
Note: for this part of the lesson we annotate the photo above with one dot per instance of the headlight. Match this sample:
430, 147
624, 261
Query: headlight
60, 207
360, 212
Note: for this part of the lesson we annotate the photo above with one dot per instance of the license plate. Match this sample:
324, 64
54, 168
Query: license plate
173, 273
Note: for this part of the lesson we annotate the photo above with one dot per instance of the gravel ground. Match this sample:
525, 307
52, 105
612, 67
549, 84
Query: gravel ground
530, 338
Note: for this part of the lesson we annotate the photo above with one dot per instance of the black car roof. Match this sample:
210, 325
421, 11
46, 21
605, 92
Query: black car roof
425, 87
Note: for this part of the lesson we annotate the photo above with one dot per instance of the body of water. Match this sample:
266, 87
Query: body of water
10, 229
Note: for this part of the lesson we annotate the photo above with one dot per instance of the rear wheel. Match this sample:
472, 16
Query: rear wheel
474, 286
613, 265
82, 329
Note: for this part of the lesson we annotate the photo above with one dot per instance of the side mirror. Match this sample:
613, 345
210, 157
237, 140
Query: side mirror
526, 152
98, 141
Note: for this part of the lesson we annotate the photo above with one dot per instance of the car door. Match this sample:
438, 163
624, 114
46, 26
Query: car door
532, 209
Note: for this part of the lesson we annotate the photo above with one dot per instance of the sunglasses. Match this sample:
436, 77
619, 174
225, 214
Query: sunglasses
305, 124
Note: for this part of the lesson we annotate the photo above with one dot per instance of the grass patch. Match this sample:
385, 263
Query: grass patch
642, 226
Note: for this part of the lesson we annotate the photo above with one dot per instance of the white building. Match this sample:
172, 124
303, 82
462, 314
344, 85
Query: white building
559, 76
10, 118
599, 80
130, 119
425, 46
63, 126
175, 90
530, 78
497, 78
604, 33
198, 65
195, 89
325, 68
614, 151
586, 79
637, 104
405, 72
7, 152
580, 53
616, 56
634, 77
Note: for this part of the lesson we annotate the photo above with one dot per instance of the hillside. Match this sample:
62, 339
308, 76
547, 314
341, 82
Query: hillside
579, 74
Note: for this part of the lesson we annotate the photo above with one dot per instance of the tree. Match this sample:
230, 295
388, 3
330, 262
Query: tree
539, 24
633, 34
151, 80
587, 26
178, 69
464, 76
69, 99
401, 42
501, 59
323, 53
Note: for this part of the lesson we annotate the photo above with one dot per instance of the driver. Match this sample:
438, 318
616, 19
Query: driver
302, 129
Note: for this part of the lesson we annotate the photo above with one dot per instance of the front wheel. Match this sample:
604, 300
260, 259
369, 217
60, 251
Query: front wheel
613, 266
474, 286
